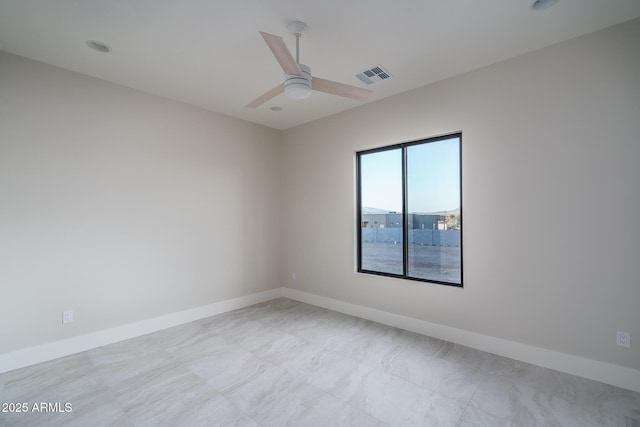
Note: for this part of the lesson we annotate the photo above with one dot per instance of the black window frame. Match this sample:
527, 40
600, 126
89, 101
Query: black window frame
405, 216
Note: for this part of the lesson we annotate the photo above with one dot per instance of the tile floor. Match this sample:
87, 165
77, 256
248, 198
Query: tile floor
285, 363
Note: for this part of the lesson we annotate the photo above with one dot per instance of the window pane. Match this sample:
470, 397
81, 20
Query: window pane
433, 199
381, 211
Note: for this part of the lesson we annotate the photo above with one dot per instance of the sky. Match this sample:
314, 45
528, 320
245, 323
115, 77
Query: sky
433, 172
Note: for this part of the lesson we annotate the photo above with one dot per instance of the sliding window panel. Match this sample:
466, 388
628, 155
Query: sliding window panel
434, 226
380, 185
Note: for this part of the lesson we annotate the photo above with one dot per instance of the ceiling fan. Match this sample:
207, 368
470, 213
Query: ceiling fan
297, 80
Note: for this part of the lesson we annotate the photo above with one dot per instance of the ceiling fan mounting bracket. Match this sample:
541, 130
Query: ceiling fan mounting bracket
297, 28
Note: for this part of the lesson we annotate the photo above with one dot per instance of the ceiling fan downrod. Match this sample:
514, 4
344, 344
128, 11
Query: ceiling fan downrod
297, 28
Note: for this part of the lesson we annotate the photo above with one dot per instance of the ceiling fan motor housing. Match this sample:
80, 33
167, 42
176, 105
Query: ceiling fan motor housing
298, 87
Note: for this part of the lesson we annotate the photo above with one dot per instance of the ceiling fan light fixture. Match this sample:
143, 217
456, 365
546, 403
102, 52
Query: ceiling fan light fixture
295, 90
298, 87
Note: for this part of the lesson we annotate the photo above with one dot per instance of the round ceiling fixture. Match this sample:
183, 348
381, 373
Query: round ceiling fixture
542, 4
98, 46
298, 87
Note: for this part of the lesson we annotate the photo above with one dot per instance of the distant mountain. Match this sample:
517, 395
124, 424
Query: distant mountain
451, 212
373, 211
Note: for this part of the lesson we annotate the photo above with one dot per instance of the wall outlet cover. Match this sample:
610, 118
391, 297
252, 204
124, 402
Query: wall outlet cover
67, 316
623, 339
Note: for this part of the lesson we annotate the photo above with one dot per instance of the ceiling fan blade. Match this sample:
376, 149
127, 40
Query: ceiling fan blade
282, 54
267, 96
339, 89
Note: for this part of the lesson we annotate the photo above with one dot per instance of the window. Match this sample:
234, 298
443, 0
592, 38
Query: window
409, 203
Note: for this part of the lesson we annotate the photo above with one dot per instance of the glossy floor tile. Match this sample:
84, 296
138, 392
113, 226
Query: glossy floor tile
285, 363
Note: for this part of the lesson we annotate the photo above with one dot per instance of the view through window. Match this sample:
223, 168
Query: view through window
410, 210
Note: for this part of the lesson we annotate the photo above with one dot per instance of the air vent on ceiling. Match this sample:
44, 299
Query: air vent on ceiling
373, 75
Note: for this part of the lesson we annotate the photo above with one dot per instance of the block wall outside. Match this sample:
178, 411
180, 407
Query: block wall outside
420, 237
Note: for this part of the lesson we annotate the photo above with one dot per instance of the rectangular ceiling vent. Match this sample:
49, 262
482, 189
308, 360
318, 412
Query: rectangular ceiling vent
373, 75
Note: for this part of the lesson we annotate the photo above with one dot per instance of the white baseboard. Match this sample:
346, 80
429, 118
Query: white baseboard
42, 353
608, 373
616, 375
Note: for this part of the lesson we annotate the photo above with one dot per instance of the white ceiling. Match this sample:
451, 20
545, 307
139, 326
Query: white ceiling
209, 52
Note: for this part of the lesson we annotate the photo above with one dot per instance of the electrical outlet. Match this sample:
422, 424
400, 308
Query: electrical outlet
67, 316
293, 276
623, 339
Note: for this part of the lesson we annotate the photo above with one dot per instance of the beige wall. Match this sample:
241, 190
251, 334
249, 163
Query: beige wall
551, 148
124, 206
